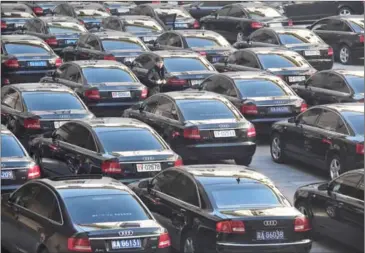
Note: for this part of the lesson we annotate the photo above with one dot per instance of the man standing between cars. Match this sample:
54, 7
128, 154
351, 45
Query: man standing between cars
156, 77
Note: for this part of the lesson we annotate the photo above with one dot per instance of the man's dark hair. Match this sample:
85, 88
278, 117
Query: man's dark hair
159, 59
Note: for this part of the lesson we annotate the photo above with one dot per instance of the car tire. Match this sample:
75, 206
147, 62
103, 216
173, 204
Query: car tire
345, 11
344, 55
276, 150
189, 244
334, 166
245, 161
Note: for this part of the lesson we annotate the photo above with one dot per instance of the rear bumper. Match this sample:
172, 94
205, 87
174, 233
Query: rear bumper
263, 126
303, 246
321, 64
217, 150
25, 76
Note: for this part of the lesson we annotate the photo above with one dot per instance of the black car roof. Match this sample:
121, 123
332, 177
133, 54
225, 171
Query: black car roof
346, 107
175, 53
192, 94
29, 87
101, 63
13, 38
113, 34
114, 122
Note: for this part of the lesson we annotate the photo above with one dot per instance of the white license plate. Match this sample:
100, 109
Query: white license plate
181, 25
129, 59
18, 25
126, 244
147, 39
270, 235
216, 59
293, 79
148, 167
123, 10
312, 53
71, 41
7, 175
121, 94
281, 109
275, 25
195, 82
222, 134
58, 124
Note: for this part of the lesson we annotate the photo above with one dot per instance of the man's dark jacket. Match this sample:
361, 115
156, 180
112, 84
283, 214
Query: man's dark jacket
154, 75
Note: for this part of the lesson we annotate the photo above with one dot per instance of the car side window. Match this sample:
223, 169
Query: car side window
146, 62
248, 60
174, 41
25, 195
346, 185
74, 74
336, 25
82, 40
165, 108
11, 98
29, 26
264, 37
336, 83
310, 116
224, 11
65, 132
163, 39
19, 104
236, 13
317, 81
328, 120
163, 181
321, 25
209, 83
341, 127
189, 194
228, 87
93, 43
82, 137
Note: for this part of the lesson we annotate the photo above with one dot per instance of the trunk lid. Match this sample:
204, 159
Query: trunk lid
310, 51
292, 75
36, 61
119, 92
214, 54
14, 170
69, 39
126, 56
193, 78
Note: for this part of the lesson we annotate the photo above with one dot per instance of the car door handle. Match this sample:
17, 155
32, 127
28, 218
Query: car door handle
340, 204
182, 210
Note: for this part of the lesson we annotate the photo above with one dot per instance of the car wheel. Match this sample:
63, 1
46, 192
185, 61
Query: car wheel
334, 166
240, 36
276, 150
345, 11
188, 244
344, 55
245, 161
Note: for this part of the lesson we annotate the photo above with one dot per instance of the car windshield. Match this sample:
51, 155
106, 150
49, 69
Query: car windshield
299, 37
356, 121
127, 139
206, 42
259, 88
241, 195
356, 82
179, 12
107, 75
113, 45
262, 12
10, 147
281, 61
204, 110
26, 48
357, 25
182, 64
95, 13
51, 101
91, 209
64, 29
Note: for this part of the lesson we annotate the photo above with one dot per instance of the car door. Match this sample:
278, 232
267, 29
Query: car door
312, 90
336, 90
233, 23
163, 120
322, 29
218, 22
92, 50
140, 67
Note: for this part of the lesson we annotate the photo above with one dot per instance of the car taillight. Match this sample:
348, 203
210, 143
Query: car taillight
3, 25
34, 172
144, 93
58, 62
330, 51
301, 224
203, 53
75, 244
38, 10
290, 22
111, 167
178, 162
196, 24
362, 100
282, 77
303, 107
11, 63
192, 133
361, 37
81, 22
360, 149
107, 10
230, 227
32, 124
175, 81
249, 109
6, 81
92, 94
164, 241
109, 58
251, 131
257, 25
52, 41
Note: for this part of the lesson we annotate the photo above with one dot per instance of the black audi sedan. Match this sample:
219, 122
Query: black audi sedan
106, 87
199, 125
224, 208
106, 45
262, 98
206, 43
29, 109
183, 69
345, 34
300, 40
237, 21
17, 167
58, 32
287, 64
119, 8
144, 27
332, 86
336, 208
42, 8
203, 8
125, 149
26, 58
14, 16
86, 213
329, 137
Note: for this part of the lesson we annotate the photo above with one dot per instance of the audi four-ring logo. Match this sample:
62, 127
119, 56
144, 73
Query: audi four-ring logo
126, 233
148, 158
223, 126
270, 223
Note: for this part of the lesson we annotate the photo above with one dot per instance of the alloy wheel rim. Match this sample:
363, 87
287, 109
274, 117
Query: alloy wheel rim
275, 148
188, 246
335, 168
345, 12
344, 54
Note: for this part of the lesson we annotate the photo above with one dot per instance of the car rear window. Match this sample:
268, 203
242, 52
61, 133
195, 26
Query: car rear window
107, 75
110, 45
51, 101
356, 122
281, 61
299, 37
62, 29
357, 25
262, 12
204, 110
248, 194
10, 147
356, 83
181, 64
259, 88
105, 208
127, 139
25, 48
